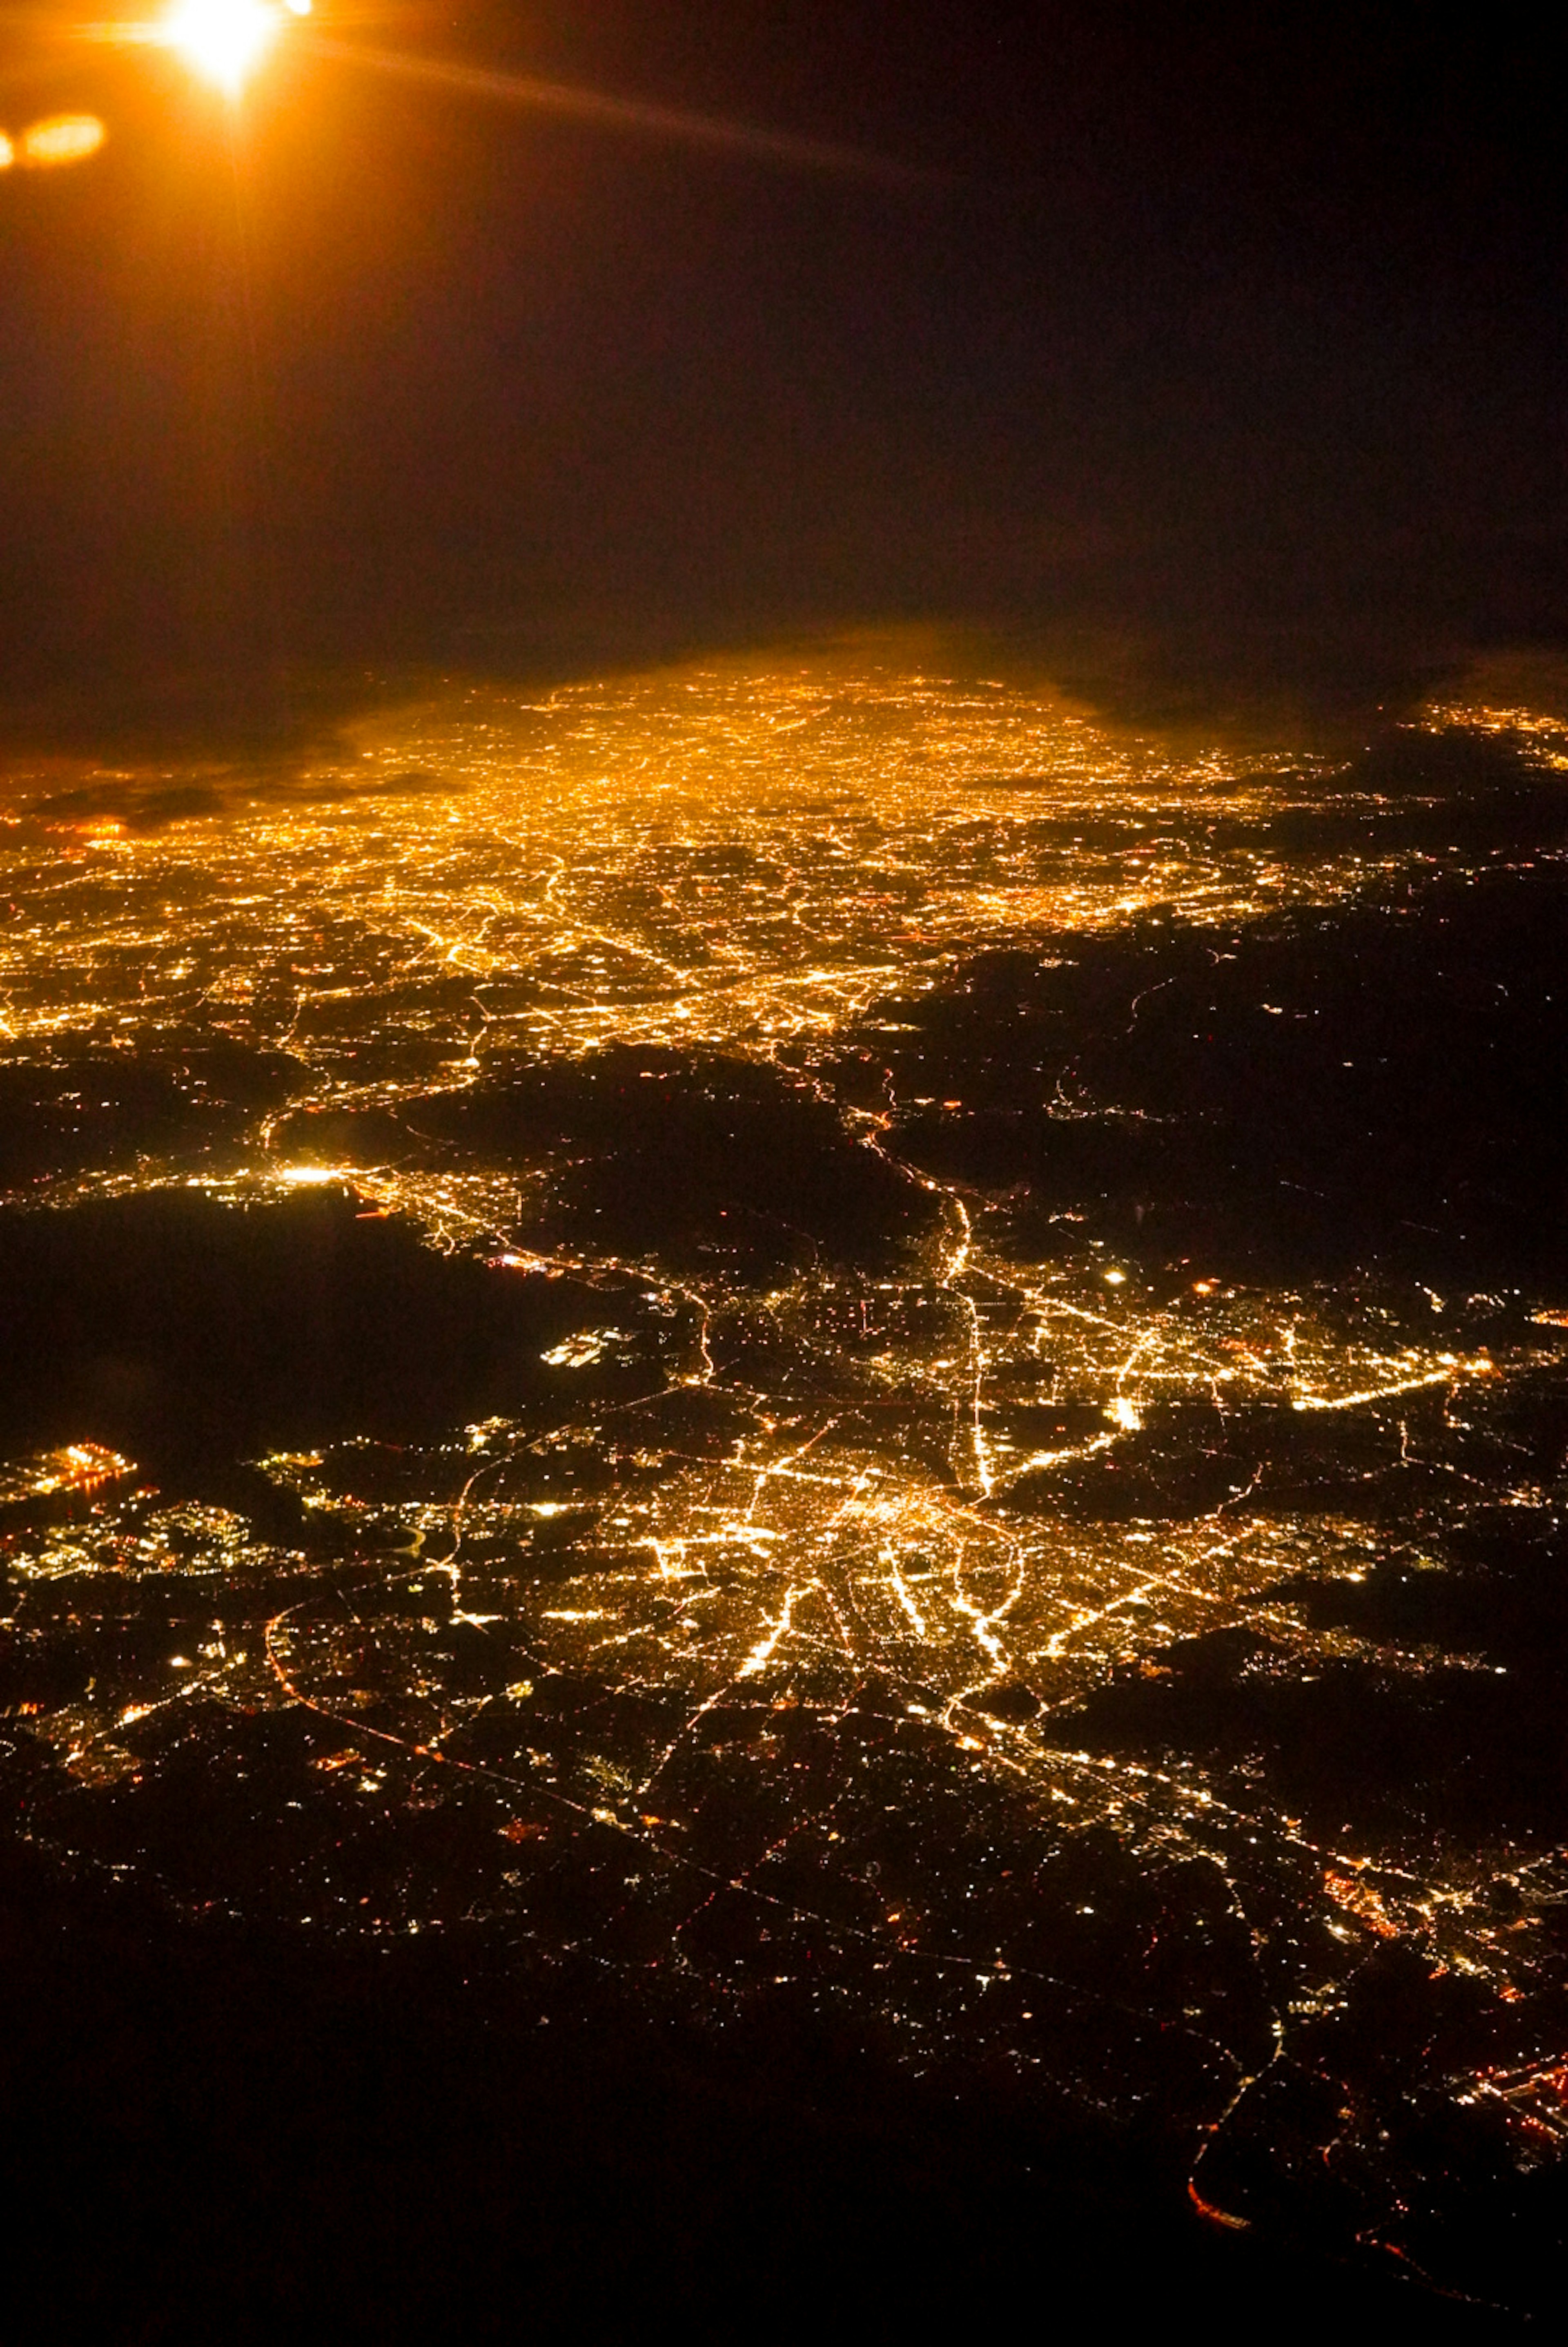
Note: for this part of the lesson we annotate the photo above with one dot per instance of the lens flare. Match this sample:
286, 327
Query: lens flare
62, 138
223, 39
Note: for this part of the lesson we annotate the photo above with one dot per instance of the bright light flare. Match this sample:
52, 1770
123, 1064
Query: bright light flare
224, 39
62, 138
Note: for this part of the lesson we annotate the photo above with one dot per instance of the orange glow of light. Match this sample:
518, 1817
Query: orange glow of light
1213, 2216
1358, 1899
7, 152
62, 138
223, 39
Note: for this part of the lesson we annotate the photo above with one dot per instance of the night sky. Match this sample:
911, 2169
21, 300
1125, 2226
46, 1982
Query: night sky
1215, 355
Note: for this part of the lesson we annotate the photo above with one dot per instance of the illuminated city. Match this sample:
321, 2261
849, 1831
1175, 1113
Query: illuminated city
874, 1534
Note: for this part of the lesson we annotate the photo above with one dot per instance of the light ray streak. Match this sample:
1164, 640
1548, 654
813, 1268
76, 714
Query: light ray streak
638, 115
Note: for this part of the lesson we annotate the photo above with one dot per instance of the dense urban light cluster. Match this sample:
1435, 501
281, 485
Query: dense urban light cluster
830, 1616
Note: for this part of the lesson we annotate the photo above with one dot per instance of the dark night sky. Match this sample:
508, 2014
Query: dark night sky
1234, 335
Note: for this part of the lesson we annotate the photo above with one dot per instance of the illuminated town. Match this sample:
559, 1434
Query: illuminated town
907, 1473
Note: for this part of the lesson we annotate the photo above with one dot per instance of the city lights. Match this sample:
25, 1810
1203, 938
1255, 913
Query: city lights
796, 1585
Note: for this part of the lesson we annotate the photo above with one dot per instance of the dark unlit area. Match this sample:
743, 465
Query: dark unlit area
1327, 1090
698, 1158
237, 2134
174, 1328
100, 1112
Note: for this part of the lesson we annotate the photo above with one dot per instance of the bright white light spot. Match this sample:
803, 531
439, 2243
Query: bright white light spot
306, 1177
7, 152
222, 38
1124, 1414
1115, 1278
